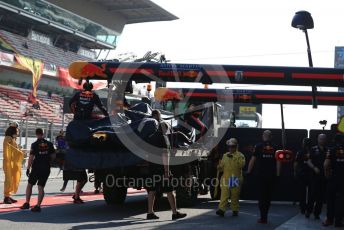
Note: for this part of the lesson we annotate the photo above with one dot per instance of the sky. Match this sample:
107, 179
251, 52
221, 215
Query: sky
246, 32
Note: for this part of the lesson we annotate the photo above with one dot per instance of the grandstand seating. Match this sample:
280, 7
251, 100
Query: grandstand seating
11, 97
49, 54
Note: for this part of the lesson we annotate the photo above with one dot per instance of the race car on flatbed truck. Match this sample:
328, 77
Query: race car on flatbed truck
115, 147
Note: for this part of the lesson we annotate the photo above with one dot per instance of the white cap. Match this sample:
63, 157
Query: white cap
232, 141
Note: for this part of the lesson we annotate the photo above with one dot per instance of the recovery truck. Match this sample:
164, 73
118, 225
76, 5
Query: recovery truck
113, 147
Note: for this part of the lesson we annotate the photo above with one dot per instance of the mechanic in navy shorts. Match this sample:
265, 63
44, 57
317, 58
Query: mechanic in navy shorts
42, 153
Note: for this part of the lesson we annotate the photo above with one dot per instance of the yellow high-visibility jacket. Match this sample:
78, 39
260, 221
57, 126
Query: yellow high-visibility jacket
231, 166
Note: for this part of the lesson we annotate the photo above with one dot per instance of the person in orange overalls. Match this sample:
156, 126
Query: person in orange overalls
12, 163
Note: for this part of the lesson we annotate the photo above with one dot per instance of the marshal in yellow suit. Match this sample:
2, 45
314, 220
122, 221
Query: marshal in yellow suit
231, 165
12, 164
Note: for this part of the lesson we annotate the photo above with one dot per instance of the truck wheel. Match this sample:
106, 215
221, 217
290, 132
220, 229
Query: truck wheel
113, 194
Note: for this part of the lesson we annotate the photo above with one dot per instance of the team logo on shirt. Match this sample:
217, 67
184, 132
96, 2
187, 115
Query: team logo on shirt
340, 155
86, 97
43, 148
268, 151
306, 158
328, 154
340, 152
317, 151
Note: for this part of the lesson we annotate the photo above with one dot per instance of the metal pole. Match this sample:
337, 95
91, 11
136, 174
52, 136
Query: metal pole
51, 131
47, 129
20, 132
310, 62
63, 121
283, 128
26, 131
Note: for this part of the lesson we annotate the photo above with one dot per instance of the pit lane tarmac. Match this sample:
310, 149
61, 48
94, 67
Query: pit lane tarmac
59, 212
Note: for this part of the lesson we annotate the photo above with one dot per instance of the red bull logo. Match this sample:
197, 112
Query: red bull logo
91, 70
191, 73
43, 148
171, 95
245, 97
163, 94
268, 149
340, 152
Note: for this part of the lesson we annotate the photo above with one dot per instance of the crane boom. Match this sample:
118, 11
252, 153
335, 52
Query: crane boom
249, 96
207, 74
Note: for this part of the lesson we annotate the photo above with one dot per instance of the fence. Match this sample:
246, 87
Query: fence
27, 129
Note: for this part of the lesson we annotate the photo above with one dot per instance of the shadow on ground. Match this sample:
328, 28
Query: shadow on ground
131, 215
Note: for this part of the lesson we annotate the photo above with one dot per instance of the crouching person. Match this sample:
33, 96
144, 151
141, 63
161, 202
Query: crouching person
231, 165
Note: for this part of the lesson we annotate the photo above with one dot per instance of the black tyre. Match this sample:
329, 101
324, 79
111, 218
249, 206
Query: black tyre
112, 194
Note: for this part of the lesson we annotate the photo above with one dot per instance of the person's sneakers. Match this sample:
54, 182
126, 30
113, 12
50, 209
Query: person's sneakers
36, 209
152, 216
25, 206
96, 191
7, 200
327, 223
220, 213
262, 221
235, 213
78, 201
13, 200
307, 215
178, 215
62, 189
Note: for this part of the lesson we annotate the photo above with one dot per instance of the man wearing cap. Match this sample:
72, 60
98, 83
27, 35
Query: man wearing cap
82, 103
231, 165
268, 170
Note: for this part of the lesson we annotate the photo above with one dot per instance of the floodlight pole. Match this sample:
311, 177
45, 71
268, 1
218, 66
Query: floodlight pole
283, 128
310, 61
